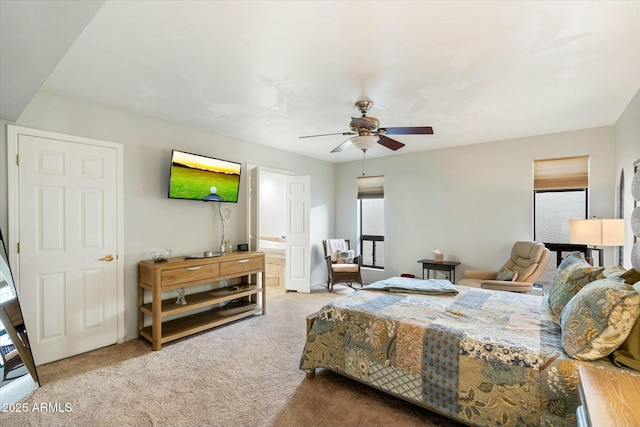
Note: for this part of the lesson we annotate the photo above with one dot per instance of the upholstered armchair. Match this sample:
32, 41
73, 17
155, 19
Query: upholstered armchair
527, 262
343, 265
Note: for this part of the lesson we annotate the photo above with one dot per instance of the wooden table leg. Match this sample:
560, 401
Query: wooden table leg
140, 313
156, 327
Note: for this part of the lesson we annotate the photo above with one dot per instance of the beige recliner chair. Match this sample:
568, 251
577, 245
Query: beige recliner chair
528, 261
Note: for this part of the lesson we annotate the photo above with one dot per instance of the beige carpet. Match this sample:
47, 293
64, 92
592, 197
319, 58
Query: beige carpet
243, 374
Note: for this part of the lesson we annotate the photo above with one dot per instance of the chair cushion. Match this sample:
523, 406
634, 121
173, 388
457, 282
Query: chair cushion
506, 274
507, 286
572, 275
599, 318
345, 268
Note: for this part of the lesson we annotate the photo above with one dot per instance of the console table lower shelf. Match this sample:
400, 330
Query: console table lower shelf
203, 310
194, 323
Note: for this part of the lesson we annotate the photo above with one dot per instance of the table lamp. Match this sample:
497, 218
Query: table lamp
596, 232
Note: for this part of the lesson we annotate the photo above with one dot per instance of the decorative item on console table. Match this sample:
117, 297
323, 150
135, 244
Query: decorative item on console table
160, 255
243, 300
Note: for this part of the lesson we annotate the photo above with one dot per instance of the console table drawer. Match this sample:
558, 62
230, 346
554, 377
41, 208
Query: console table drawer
189, 274
241, 266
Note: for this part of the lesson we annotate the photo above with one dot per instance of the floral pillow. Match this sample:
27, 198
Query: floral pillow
599, 319
572, 274
614, 271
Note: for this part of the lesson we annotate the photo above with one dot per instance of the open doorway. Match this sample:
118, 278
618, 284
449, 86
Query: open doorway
280, 201
273, 228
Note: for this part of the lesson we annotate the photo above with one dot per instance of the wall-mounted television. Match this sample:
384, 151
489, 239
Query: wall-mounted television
197, 177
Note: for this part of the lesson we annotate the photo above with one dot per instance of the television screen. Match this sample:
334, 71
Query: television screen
197, 177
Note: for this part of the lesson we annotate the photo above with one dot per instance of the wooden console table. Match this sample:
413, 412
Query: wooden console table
160, 277
449, 266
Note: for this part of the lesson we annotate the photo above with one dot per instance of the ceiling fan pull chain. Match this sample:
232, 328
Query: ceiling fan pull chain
363, 154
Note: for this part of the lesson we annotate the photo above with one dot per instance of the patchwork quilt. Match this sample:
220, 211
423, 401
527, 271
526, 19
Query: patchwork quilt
482, 357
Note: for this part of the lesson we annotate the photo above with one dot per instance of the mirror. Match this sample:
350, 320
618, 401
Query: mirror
621, 213
19, 375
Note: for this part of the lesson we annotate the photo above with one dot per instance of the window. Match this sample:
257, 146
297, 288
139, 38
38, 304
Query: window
372, 232
554, 209
371, 201
560, 194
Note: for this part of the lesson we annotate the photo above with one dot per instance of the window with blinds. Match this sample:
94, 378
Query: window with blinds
371, 203
371, 187
560, 188
568, 173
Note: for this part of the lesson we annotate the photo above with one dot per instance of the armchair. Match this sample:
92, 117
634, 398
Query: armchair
340, 266
10, 361
527, 262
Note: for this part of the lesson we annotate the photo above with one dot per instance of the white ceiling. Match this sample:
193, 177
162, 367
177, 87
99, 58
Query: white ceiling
271, 71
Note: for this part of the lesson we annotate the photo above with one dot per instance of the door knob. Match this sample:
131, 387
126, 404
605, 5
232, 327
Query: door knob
107, 258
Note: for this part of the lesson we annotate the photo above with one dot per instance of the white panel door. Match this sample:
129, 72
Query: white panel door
298, 199
68, 231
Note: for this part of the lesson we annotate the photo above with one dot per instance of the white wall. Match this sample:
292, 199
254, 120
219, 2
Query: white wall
151, 219
471, 202
627, 152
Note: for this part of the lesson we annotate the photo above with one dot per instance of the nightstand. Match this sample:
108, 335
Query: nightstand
449, 266
609, 398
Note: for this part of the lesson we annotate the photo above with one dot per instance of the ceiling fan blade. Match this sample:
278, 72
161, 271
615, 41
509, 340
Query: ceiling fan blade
342, 146
417, 130
391, 144
329, 134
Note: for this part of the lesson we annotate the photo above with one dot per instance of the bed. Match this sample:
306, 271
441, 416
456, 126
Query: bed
478, 356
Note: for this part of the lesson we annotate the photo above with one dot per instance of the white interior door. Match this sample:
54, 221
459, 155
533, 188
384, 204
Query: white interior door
68, 228
298, 199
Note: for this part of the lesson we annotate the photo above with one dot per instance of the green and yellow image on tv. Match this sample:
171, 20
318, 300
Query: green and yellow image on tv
198, 177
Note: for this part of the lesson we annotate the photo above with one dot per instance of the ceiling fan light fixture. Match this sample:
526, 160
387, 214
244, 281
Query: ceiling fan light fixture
367, 131
364, 142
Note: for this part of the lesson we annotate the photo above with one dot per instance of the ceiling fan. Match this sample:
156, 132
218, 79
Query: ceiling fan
368, 132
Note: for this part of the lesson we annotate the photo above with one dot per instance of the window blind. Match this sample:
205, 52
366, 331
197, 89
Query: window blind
371, 187
561, 174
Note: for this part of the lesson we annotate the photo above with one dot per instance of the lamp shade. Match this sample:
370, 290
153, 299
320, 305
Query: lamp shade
596, 232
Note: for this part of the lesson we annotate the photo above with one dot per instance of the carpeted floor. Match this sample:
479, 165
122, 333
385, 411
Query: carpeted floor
243, 374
